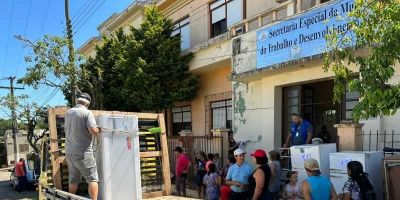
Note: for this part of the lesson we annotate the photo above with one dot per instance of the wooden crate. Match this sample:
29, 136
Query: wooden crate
151, 160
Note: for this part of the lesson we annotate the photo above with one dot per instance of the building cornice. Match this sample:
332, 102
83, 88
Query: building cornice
133, 11
89, 44
173, 6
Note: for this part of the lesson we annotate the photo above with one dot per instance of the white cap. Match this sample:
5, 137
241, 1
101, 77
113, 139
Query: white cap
238, 152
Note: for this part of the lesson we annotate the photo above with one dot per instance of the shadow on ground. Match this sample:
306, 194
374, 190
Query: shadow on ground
7, 192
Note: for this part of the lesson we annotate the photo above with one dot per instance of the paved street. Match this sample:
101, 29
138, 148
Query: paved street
7, 192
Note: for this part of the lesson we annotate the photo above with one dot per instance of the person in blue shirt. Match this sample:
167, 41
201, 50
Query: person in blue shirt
301, 132
238, 176
317, 187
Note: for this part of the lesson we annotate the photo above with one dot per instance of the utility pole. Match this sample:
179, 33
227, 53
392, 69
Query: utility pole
13, 116
71, 57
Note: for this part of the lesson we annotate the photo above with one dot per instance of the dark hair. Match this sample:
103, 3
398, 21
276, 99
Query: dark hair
358, 175
230, 132
231, 159
289, 175
216, 155
275, 155
203, 155
21, 159
262, 161
296, 114
314, 172
211, 168
179, 149
210, 156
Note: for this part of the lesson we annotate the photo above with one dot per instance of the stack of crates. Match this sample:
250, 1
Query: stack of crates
152, 179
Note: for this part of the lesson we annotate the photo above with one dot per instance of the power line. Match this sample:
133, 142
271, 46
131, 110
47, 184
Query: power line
25, 30
80, 11
77, 29
45, 17
94, 11
13, 114
8, 37
84, 12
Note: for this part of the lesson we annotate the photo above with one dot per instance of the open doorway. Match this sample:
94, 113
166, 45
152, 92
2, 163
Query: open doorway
314, 101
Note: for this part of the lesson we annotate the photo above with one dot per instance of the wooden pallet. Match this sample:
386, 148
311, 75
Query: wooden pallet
148, 157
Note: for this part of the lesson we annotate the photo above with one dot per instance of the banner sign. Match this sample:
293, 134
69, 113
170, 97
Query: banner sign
303, 35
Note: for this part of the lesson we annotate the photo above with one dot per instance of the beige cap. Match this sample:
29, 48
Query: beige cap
311, 164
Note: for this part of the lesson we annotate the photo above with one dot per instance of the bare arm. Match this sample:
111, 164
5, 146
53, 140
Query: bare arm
309, 134
94, 130
234, 183
309, 138
260, 179
306, 190
333, 193
344, 196
272, 167
286, 145
218, 181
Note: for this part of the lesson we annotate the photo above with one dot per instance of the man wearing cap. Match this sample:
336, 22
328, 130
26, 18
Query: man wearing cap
301, 131
317, 187
238, 176
80, 126
181, 170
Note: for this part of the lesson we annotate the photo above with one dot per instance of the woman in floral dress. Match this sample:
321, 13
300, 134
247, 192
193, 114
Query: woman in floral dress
358, 187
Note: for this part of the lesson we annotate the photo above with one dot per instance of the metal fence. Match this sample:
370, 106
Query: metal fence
192, 145
375, 140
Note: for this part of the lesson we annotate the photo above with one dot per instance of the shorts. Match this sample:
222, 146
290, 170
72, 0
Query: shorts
82, 165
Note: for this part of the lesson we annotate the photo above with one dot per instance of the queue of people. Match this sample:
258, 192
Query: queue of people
261, 180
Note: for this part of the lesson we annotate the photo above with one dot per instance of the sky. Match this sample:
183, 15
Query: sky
35, 18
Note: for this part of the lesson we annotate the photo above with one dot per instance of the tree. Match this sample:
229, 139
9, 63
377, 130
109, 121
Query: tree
142, 70
102, 75
5, 124
50, 65
30, 115
376, 27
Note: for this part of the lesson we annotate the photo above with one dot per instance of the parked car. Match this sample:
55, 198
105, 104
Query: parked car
32, 168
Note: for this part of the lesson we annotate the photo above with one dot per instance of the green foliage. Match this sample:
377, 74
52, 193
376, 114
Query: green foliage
5, 124
142, 70
30, 116
376, 26
49, 64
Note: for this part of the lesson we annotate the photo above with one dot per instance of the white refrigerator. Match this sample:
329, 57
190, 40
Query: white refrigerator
372, 163
319, 152
117, 155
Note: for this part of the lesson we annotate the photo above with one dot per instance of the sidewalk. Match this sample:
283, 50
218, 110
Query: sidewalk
7, 192
190, 193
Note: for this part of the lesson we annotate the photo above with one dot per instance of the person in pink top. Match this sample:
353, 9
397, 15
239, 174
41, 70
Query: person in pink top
181, 170
210, 157
20, 173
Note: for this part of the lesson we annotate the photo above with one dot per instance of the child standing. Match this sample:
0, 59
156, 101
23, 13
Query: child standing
200, 165
210, 160
292, 189
212, 183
